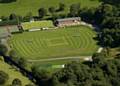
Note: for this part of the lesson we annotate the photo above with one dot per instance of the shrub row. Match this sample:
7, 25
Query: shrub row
9, 22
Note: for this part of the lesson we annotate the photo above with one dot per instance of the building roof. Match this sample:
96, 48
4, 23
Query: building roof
4, 35
67, 19
12, 28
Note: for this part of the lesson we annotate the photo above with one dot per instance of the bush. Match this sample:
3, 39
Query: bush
8, 22
3, 78
3, 49
16, 82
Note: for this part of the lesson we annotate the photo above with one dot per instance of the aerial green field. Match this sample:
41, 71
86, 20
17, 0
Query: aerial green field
63, 42
22, 7
13, 73
37, 24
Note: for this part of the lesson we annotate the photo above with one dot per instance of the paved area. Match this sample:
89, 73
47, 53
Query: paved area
87, 58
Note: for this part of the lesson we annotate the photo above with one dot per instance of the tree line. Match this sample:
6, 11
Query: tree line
52, 13
99, 72
4, 77
108, 19
7, 1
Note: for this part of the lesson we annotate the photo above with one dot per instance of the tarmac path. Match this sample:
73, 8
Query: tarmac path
86, 58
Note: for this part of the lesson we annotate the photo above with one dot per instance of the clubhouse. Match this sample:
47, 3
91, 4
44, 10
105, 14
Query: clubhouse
68, 21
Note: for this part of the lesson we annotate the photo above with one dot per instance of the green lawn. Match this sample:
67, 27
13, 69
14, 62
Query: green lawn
53, 62
37, 24
70, 41
13, 73
22, 7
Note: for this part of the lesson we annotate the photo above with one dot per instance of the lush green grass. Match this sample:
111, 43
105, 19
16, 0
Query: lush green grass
53, 62
13, 73
52, 66
22, 7
37, 24
63, 42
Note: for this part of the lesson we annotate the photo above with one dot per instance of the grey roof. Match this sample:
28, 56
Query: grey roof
4, 35
12, 28
67, 19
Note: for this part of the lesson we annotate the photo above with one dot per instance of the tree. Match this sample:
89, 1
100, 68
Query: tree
3, 49
61, 7
16, 82
55, 81
42, 12
22, 62
16, 18
108, 40
13, 16
109, 37
13, 54
19, 60
98, 59
102, 12
3, 78
113, 2
74, 9
52, 10
55, 16
87, 14
82, 74
40, 73
28, 16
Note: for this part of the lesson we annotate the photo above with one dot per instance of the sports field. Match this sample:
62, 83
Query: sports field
37, 24
63, 42
22, 7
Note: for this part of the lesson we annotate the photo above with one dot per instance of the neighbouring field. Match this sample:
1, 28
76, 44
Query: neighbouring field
22, 7
53, 66
37, 24
13, 73
63, 42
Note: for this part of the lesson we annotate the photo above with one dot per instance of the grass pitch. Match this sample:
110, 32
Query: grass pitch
22, 7
63, 42
37, 24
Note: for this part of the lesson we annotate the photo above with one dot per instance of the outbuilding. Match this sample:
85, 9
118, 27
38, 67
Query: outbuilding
68, 21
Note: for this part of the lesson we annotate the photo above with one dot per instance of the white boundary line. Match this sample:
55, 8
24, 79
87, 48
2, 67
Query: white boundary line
86, 58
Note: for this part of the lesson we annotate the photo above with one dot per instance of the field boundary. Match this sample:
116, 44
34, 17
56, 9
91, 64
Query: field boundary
86, 58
